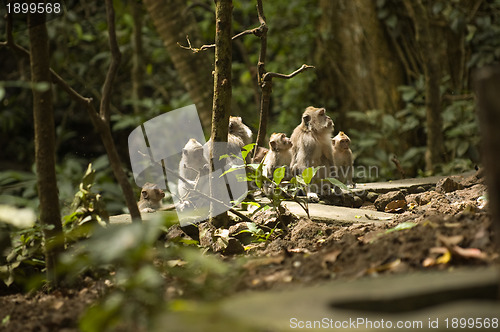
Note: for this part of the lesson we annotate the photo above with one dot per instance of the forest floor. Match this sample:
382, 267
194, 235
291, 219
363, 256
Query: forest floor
445, 226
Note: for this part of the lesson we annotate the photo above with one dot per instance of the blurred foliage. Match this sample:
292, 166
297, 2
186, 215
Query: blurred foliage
375, 144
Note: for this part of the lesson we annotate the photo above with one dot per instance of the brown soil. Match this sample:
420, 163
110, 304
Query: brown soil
452, 229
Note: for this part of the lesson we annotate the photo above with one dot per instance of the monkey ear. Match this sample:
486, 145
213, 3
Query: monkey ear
333, 141
306, 118
321, 111
144, 194
184, 151
273, 145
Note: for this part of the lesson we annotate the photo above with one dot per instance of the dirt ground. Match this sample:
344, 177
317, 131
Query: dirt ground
440, 228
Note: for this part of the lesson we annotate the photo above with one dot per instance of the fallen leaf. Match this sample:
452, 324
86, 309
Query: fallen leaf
469, 253
449, 241
330, 258
254, 263
397, 206
428, 262
58, 305
444, 258
384, 267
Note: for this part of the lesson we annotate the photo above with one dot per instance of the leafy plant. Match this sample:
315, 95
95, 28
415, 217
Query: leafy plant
87, 206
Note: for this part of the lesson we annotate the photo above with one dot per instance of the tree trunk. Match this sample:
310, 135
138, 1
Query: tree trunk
222, 85
137, 55
487, 83
428, 46
348, 30
173, 23
50, 215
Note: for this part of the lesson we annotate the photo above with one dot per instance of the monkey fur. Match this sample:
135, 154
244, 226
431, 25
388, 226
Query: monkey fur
342, 158
151, 196
192, 166
311, 141
238, 136
279, 154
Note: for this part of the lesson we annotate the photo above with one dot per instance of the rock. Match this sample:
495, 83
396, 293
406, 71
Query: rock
385, 199
372, 196
239, 231
448, 185
419, 190
424, 198
232, 247
357, 202
207, 231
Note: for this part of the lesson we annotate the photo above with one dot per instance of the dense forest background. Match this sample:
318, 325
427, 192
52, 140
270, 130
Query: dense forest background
396, 76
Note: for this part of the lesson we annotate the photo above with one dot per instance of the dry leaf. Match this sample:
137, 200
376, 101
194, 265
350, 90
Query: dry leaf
397, 206
469, 253
330, 258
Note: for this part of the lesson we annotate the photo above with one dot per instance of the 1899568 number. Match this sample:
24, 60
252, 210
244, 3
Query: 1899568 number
33, 8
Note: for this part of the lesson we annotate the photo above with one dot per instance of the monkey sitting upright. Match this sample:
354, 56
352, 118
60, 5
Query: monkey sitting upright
342, 158
279, 154
151, 196
311, 141
238, 136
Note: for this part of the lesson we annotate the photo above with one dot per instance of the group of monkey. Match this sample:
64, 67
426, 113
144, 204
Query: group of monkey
310, 145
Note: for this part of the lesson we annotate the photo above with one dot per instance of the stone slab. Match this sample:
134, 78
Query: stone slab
338, 214
284, 310
383, 187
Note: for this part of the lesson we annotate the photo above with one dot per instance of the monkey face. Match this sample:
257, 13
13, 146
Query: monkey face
341, 141
316, 120
234, 123
152, 192
279, 142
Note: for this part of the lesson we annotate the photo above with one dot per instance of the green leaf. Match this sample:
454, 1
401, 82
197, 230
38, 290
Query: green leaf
308, 174
338, 183
258, 176
402, 226
246, 150
279, 174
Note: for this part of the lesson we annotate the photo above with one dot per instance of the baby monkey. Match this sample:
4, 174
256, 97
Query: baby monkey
151, 196
279, 154
342, 158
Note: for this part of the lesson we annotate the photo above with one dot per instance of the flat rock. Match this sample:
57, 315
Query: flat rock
425, 301
338, 214
422, 297
410, 184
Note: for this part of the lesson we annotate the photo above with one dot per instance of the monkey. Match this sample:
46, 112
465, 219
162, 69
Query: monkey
151, 196
279, 154
239, 129
311, 142
342, 158
238, 136
261, 154
192, 167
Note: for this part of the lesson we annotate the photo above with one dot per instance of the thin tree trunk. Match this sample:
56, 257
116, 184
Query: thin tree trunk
222, 86
173, 23
137, 55
487, 82
50, 215
432, 72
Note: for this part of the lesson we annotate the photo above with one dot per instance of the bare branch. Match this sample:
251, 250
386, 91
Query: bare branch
270, 75
255, 31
